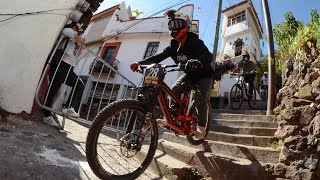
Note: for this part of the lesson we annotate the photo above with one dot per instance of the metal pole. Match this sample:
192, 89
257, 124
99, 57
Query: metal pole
271, 59
216, 36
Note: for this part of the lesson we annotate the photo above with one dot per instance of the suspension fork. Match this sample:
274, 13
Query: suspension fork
144, 129
146, 124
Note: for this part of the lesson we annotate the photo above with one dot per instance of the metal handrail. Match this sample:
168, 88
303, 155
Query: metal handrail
125, 83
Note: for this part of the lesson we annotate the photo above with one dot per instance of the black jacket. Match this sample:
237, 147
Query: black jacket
193, 48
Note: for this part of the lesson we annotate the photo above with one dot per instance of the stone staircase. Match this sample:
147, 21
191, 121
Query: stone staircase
236, 148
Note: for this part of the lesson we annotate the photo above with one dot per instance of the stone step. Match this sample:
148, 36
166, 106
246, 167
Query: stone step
238, 123
250, 140
242, 117
163, 165
253, 153
258, 131
214, 165
240, 111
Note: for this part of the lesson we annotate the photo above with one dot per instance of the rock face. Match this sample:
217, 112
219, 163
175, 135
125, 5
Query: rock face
298, 117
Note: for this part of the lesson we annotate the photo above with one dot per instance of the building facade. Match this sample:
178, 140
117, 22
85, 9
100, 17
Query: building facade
241, 31
119, 38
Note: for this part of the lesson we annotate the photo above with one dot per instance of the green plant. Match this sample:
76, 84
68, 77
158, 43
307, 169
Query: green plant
275, 144
194, 171
315, 141
294, 38
285, 33
137, 12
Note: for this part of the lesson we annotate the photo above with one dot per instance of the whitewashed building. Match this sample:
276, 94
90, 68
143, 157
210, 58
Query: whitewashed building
29, 32
108, 35
241, 31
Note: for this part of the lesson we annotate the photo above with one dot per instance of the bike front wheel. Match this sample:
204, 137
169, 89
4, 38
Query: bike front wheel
235, 97
113, 150
194, 112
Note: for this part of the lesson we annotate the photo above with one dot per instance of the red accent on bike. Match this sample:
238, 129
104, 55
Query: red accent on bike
186, 120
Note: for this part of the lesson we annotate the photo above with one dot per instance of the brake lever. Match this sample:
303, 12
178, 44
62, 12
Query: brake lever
139, 70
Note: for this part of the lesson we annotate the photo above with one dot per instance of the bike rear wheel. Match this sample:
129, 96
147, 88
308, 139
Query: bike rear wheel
193, 111
252, 101
111, 148
235, 97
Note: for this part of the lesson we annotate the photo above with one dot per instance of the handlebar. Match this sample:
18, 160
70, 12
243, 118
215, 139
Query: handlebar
243, 74
177, 67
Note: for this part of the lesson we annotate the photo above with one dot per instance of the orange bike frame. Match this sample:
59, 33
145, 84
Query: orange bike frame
184, 103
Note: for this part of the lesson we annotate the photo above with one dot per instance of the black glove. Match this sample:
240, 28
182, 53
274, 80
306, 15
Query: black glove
193, 65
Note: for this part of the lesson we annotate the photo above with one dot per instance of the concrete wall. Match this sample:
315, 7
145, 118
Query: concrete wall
24, 47
97, 28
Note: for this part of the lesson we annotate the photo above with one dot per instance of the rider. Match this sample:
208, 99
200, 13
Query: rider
249, 71
264, 81
186, 48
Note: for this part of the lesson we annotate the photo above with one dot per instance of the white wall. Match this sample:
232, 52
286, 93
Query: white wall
225, 84
25, 44
235, 29
133, 47
96, 29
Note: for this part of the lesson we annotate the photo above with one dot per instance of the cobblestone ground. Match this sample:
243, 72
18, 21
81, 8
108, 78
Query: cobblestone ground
34, 150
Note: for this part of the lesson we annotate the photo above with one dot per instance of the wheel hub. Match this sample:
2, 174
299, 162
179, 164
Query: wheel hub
128, 145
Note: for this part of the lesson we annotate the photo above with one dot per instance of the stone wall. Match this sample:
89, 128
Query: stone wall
298, 117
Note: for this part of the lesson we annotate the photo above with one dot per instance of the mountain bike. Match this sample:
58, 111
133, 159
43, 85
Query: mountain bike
264, 92
123, 137
239, 91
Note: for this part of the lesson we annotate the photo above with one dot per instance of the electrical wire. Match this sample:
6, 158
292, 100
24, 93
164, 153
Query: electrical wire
163, 6
141, 20
8, 18
138, 22
209, 20
14, 15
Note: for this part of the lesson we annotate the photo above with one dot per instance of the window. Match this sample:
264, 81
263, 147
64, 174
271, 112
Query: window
109, 54
236, 18
238, 47
151, 49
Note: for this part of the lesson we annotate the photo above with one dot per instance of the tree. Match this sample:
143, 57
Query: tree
137, 12
307, 39
314, 16
285, 33
295, 38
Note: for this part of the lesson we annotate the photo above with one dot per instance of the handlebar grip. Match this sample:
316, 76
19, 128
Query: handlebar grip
169, 66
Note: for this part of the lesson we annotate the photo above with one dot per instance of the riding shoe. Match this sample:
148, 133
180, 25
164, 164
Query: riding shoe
200, 133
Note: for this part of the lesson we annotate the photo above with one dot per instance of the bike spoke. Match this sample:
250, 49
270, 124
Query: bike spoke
117, 158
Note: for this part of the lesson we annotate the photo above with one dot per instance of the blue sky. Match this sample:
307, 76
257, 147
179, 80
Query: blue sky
205, 11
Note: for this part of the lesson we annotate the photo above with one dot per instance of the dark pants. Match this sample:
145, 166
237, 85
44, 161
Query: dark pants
204, 86
58, 80
250, 80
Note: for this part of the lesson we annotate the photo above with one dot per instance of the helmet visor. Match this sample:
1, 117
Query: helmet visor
177, 24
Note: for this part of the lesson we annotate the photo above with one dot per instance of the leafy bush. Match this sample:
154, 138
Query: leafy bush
285, 33
293, 37
275, 144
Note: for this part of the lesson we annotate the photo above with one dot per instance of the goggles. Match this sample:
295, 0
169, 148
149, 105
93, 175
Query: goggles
177, 24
